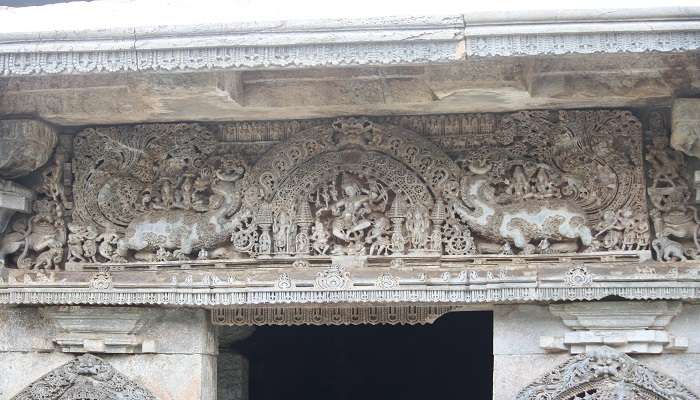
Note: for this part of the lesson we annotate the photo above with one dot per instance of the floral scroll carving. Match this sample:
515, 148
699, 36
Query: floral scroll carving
537, 183
85, 377
604, 374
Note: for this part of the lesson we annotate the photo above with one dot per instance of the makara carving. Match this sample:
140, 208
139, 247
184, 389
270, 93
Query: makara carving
605, 374
540, 183
85, 377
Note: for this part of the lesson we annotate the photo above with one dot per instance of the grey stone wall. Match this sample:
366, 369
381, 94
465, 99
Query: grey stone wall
183, 366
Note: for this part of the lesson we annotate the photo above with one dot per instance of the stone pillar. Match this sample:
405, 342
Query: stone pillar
232, 381
532, 340
517, 356
169, 352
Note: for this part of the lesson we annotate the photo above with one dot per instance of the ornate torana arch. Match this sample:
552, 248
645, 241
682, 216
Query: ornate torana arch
84, 378
293, 158
605, 374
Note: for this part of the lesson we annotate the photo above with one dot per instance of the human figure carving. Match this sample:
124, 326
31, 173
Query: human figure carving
319, 237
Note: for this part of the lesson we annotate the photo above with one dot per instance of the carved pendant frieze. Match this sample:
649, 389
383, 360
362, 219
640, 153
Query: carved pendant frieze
439, 186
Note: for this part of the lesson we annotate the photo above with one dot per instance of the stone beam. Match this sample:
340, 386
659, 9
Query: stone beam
476, 85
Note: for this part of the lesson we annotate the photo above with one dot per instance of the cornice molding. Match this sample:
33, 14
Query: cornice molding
218, 286
347, 42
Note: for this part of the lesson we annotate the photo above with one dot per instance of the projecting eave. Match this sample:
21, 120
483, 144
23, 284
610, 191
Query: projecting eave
29, 48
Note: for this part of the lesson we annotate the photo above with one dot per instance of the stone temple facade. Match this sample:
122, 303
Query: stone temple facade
164, 189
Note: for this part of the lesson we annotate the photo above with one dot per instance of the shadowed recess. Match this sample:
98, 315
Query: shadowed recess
447, 359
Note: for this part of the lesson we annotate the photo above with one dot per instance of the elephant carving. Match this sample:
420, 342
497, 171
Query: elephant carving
668, 250
184, 231
537, 219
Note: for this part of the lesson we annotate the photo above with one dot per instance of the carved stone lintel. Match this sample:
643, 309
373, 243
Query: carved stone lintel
630, 327
99, 330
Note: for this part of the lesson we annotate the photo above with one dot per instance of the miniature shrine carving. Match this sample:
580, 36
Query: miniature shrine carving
523, 183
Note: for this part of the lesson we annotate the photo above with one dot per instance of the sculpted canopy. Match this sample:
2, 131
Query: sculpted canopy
528, 183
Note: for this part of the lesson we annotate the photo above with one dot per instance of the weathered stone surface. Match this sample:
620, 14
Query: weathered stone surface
685, 129
100, 329
475, 85
13, 198
183, 369
232, 380
628, 327
25, 145
518, 360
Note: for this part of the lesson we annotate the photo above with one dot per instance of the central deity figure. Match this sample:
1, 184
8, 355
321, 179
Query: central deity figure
351, 211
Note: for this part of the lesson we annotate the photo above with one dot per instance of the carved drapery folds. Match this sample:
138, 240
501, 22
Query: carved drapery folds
523, 183
85, 377
605, 374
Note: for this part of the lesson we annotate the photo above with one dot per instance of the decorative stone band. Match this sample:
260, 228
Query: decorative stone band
373, 41
581, 43
459, 285
334, 315
346, 42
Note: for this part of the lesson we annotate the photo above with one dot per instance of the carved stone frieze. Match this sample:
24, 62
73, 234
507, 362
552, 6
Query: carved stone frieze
85, 377
605, 374
513, 184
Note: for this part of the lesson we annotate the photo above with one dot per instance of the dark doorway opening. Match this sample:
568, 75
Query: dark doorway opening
451, 358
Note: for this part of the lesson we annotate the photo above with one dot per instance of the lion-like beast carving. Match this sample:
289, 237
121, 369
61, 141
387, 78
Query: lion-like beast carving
184, 231
520, 223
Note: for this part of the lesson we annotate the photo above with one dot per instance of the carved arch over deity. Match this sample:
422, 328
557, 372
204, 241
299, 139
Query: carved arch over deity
86, 377
604, 374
